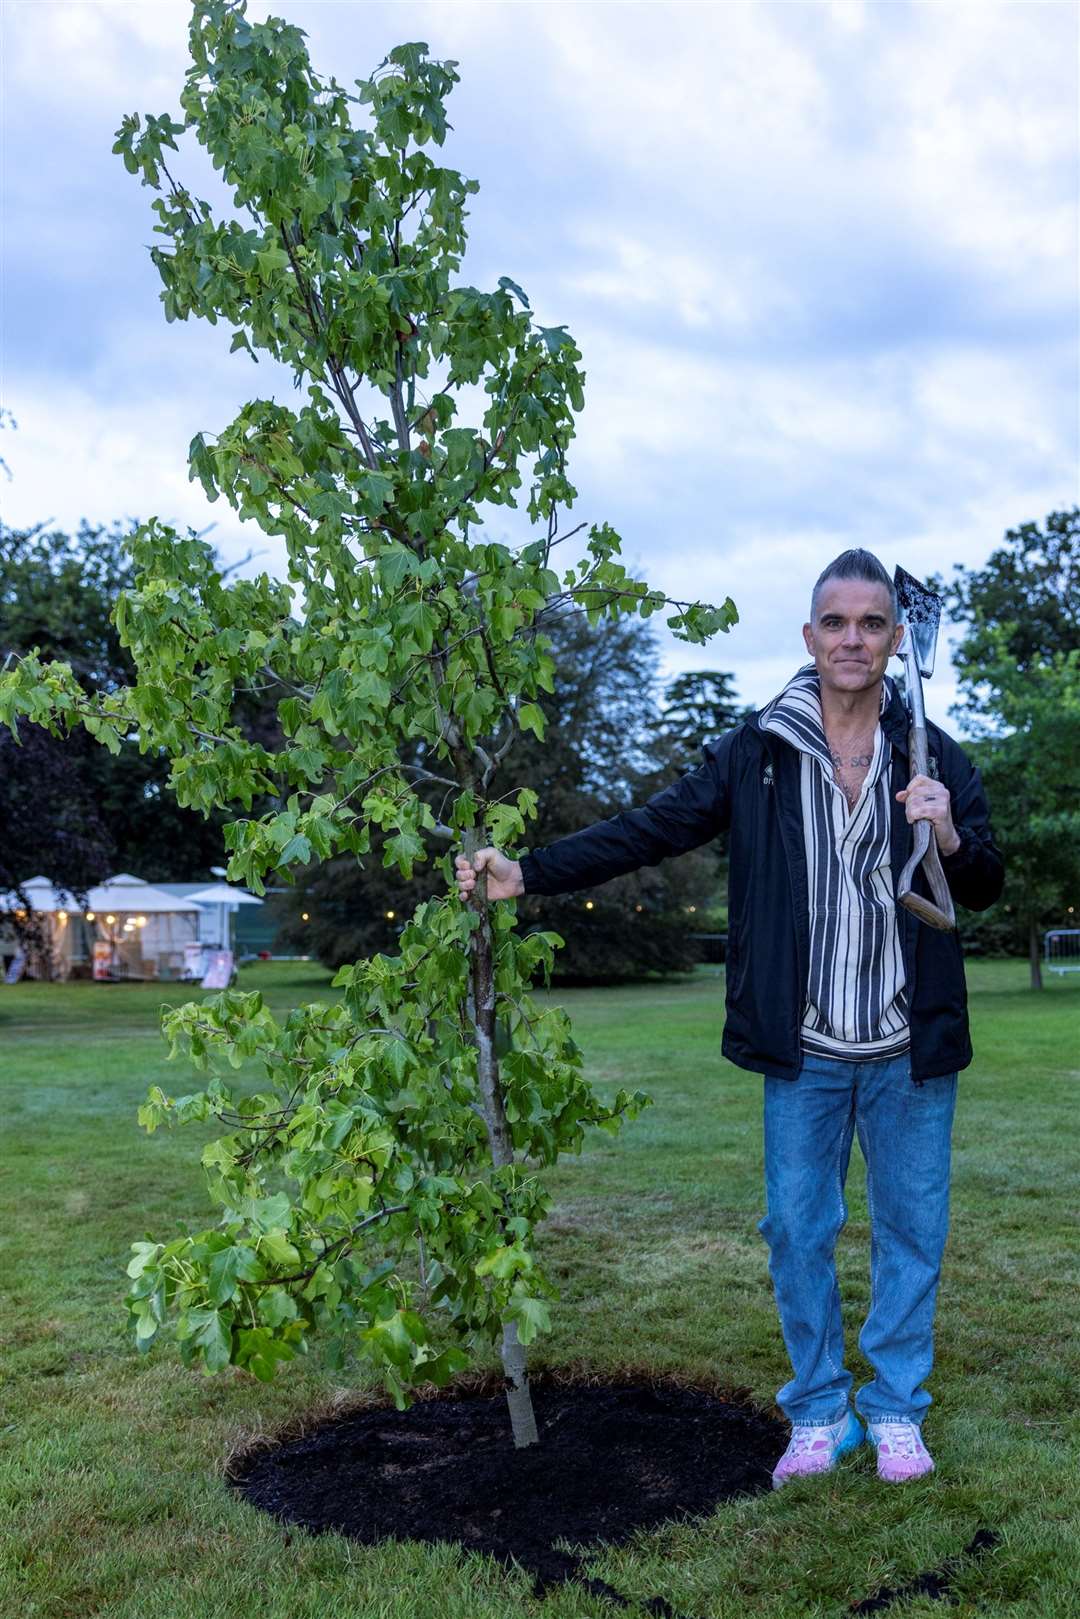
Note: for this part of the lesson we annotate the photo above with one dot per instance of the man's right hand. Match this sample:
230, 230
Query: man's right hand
503, 875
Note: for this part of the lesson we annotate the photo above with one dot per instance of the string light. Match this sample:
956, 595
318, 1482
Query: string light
110, 918
140, 921
90, 915
390, 916
637, 907
304, 916
588, 904
62, 915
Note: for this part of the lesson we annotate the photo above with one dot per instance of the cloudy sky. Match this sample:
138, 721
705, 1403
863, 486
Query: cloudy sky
821, 258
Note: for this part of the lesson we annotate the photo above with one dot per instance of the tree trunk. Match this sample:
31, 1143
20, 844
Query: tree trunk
482, 975
1034, 955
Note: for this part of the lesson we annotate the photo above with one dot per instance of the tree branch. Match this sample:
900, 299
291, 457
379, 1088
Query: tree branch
342, 1247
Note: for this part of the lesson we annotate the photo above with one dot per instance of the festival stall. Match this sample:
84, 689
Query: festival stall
217, 932
127, 929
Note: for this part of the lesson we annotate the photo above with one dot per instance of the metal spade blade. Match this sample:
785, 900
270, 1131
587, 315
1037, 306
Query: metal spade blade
920, 610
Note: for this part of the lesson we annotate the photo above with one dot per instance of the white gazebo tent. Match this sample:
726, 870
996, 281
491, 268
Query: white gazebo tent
127, 929
222, 902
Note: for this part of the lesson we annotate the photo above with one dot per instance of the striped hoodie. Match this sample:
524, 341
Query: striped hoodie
856, 1005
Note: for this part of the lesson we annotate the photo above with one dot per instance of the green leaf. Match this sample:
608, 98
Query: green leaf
276, 1306
398, 1337
531, 1315
211, 1334
397, 564
228, 1268
511, 286
531, 718
276, 1247
261, 1352
271, 259
298, 849
145, 1254
441, 1368
504, 1262
266, 1213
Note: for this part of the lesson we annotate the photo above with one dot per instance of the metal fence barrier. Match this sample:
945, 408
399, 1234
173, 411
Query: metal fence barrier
1061, 950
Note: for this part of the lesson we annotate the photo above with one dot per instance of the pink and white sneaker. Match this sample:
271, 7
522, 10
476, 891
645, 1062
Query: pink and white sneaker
817, 1450
901, 1453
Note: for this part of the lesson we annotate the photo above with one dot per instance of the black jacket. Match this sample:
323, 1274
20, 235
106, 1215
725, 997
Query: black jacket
749, 783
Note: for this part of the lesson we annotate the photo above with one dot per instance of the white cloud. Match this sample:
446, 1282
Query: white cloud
81, 453
87, 50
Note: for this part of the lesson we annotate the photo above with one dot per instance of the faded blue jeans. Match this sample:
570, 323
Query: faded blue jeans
904, 1132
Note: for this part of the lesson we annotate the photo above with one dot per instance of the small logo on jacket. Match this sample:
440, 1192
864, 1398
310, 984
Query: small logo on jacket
767, 777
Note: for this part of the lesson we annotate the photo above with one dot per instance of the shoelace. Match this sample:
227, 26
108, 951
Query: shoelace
902, 1437
804, 1439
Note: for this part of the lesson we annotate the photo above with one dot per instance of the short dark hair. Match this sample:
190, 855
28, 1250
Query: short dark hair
857, 564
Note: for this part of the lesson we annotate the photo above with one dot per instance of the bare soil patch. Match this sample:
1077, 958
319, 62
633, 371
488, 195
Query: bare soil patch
613, 1457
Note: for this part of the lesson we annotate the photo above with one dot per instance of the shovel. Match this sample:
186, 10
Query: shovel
920, 611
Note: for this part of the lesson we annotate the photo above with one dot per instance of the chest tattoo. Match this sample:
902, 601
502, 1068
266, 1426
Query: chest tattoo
850, 772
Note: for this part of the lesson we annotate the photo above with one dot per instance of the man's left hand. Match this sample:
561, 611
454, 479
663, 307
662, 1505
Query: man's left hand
928, 800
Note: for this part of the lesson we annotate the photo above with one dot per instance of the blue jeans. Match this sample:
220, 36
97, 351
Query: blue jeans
904, 1133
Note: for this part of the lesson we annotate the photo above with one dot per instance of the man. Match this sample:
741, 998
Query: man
852, 1010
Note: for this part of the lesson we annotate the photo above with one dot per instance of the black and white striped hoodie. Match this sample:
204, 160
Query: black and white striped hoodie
856, 1002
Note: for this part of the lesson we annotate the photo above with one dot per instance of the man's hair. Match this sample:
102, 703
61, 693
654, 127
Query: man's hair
857, 564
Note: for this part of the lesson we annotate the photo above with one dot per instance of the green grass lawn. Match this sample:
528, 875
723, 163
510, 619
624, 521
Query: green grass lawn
111, 1492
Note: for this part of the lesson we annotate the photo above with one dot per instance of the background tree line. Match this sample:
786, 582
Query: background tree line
74, 812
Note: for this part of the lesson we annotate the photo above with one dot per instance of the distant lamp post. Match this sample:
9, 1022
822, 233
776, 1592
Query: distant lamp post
304, 917
90, 915
390, 915
110, 919
588, 904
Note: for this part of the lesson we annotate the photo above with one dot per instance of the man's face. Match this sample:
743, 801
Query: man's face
852, 635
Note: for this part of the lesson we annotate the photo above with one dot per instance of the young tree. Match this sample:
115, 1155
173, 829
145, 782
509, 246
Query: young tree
409, 1121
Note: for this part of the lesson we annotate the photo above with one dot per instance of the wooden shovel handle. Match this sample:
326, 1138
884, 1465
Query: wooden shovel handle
925, 853
942, 914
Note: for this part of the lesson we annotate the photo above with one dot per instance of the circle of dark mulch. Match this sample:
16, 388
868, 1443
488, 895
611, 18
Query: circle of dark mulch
613, 1457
